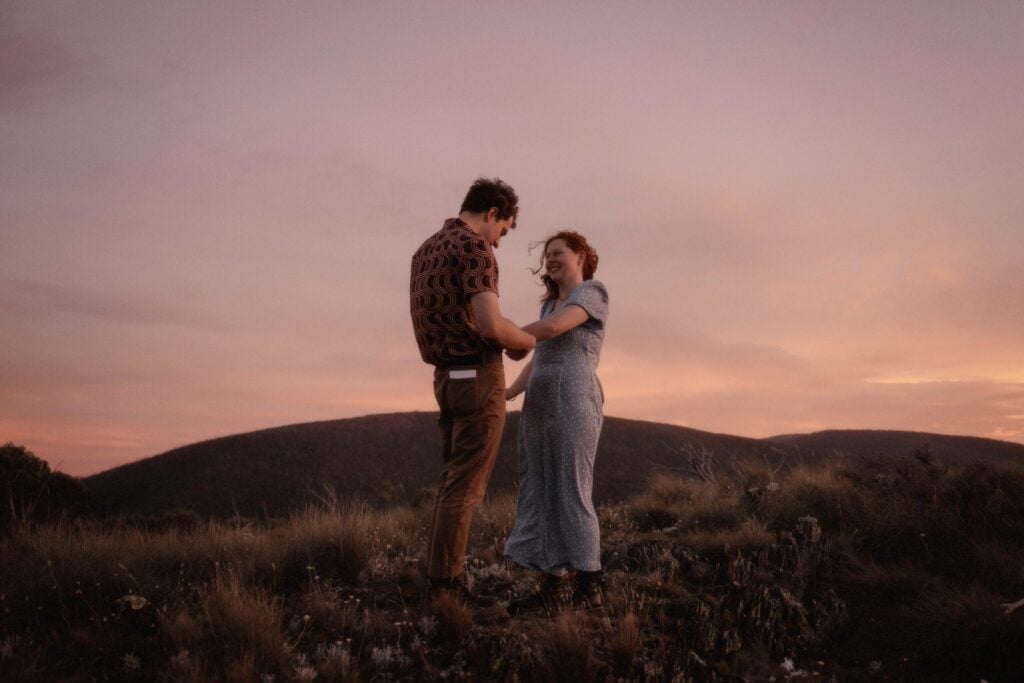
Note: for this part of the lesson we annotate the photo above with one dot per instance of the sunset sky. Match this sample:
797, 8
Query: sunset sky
809, 214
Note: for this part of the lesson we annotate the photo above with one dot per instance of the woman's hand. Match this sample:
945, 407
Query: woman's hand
519, 386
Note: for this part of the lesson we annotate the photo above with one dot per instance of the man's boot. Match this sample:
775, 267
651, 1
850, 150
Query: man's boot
482, 608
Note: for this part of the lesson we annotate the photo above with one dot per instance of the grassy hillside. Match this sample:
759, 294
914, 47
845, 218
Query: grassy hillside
878, 443
381, 459
899, 569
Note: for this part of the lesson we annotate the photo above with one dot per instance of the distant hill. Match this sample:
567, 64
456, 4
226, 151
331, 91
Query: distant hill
382, 459
956, 450
394, 458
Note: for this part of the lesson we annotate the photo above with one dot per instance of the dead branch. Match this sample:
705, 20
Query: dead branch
701, 463
1009, 607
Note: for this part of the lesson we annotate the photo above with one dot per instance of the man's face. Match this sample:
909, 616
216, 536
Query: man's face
495, 228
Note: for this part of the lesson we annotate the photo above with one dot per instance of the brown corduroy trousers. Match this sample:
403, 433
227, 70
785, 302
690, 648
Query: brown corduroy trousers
471, 421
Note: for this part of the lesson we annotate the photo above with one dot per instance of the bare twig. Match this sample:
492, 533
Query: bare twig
772, 471
1009, 607
701, 463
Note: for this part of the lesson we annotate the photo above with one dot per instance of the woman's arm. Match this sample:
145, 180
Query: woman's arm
519, 386
559, 323
496, 328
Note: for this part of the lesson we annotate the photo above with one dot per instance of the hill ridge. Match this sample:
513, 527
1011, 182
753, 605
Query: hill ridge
384, 458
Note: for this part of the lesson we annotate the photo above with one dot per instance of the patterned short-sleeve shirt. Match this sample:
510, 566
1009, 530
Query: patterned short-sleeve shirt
447, 270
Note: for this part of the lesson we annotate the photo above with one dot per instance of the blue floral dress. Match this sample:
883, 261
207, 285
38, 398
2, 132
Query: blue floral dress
556, 526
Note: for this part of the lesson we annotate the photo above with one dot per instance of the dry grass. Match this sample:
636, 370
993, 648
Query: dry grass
452, 618
905, 564
688, 504
243, 620
624, 643
566, 651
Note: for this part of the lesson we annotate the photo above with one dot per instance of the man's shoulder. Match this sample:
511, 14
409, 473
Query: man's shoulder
462, 243
431, 244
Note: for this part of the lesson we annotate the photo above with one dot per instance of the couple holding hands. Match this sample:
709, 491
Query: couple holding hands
460, 330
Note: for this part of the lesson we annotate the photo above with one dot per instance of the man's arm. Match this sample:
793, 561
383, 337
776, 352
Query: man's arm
496, 328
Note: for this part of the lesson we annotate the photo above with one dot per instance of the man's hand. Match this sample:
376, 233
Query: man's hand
516, 355
495, 328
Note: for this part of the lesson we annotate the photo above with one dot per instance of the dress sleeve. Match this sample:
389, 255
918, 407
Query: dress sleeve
592, 297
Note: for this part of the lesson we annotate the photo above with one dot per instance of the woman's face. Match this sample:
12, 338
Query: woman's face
561, 263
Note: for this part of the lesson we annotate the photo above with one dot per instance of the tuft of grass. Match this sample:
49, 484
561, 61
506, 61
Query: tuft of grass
184, 666
243, 622
243, 668
453, 618
336, 663
566, 651
624, 643
334, 543
183, 629
686, 504
749, 534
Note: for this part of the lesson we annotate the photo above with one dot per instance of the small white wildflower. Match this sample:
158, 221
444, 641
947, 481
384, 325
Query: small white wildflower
332, 651
875, 665
305, 673
388, 656
790, 668
381, 656
130, 663
136, 602
427, 624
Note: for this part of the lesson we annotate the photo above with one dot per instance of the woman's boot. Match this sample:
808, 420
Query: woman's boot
588, 589
555, 594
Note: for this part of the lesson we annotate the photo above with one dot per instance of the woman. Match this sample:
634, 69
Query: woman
556, 529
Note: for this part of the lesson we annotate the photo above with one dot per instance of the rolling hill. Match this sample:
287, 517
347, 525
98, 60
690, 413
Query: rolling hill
393, 458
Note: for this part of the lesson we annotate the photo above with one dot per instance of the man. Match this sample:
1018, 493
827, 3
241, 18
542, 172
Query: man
461, 332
